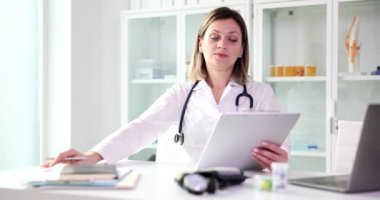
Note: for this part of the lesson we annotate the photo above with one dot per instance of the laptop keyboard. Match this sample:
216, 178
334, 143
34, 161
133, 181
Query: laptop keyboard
339, 181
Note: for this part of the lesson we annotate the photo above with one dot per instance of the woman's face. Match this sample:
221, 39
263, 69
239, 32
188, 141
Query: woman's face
221, 45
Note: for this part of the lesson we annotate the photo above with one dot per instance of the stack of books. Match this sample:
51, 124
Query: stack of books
106, 176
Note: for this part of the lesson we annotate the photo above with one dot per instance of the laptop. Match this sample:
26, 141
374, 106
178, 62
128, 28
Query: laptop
365, 175
236, 134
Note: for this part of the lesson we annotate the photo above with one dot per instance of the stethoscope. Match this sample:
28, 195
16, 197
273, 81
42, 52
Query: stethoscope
180, 137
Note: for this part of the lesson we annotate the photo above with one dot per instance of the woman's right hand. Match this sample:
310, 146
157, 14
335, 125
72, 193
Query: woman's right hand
89, 158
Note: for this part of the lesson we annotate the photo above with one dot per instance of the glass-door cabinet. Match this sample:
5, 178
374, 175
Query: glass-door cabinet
358, 60
292, 53
356, 71
149, 63
189, 21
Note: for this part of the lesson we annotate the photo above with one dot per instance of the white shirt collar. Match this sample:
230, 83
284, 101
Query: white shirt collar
203, 84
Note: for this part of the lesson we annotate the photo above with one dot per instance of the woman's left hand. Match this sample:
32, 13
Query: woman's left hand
269, 153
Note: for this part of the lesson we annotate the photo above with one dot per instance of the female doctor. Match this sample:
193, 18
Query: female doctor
218, 74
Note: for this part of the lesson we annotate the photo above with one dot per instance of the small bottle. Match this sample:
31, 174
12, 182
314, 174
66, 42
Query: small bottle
310, 70
273, 71
280, 71
279, 176
299, 70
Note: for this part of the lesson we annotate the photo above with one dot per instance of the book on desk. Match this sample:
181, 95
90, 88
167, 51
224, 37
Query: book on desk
99, 176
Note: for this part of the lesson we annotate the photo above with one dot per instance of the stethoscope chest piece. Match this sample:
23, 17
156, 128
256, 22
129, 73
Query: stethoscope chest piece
179, 138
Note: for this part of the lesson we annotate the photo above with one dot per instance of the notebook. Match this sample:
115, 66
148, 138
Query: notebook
88, 172
126, 179
365, 174
236, 134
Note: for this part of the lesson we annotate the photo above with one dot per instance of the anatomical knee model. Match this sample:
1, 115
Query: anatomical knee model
353, 45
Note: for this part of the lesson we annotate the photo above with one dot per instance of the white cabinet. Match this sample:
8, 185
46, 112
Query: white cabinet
156, 51
353, 91
291, 39
150, 62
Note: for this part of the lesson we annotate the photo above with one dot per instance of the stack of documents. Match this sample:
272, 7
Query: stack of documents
106, 176
88, 172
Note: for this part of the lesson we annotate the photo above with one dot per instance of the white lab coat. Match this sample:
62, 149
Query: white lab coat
201, 115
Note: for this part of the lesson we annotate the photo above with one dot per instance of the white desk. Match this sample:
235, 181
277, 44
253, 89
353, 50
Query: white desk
157, 182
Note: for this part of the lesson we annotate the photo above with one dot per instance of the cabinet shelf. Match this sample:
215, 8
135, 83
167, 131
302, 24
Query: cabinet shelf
308, 153
359, 77
295, 79
153, 81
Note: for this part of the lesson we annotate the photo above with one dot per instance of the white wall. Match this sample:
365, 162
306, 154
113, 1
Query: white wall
95, 70
81, 97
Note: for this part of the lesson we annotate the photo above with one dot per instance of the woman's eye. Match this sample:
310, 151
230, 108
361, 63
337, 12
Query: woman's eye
233, 39
214, 37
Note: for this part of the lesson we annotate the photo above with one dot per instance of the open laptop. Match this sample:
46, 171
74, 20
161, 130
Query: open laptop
365, 175
236, 134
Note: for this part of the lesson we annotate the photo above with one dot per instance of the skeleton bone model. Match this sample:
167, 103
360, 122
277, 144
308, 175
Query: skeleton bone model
353, 45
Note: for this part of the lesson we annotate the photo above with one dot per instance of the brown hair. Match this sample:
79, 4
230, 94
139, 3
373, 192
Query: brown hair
198, 69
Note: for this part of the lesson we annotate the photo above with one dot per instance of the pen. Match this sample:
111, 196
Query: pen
73, 158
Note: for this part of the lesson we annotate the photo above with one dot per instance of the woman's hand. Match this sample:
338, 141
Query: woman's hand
269, 153
87, 158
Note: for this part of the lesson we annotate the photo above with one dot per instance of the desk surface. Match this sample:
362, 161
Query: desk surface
157, 182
